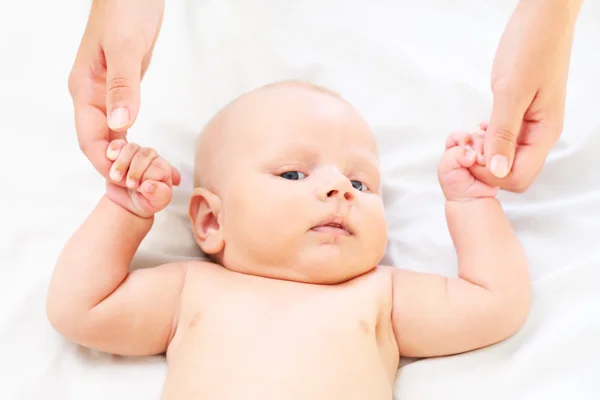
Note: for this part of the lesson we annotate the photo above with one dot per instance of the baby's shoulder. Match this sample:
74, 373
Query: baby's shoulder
377, 281
380, 275
201, 271
203, 279
377, 287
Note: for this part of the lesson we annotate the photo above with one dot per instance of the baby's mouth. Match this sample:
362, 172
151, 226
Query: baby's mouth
335, 226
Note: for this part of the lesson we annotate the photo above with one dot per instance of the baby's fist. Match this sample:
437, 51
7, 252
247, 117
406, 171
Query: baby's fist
140, 180
463, 150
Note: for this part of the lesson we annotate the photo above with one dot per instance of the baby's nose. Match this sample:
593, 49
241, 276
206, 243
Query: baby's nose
337, 186
346, 194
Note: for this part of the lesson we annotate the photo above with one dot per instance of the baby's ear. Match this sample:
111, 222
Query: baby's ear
204, 210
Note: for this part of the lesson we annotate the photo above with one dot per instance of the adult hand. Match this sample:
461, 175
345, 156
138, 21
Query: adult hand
529, 79
113, 56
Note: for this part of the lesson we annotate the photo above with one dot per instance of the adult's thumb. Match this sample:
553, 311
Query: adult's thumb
123, 76
501, 136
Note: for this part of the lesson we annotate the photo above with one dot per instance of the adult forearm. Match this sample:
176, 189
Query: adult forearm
557, 13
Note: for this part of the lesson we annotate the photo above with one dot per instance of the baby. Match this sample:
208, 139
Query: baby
287, 204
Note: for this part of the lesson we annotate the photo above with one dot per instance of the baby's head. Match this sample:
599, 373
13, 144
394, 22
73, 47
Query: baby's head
287, 186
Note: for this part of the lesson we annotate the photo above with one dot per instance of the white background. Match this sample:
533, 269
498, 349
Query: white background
415, 70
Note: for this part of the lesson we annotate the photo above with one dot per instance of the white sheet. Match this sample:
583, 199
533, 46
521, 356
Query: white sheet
416, 71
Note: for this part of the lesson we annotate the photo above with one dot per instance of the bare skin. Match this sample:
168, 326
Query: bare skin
528, 82
280, 339
295, 305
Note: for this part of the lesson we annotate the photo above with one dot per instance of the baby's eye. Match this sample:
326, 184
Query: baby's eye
358, 185
293, 175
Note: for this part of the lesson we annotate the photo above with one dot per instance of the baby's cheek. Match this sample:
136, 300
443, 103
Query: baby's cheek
376, 229
287, 208
269, 210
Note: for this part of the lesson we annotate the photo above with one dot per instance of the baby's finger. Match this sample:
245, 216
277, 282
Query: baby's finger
480, 189
121, 164
459, 138
114, 148
157, 194
480, 134
478, 141
156, 173
173, 172
467, 158
139, 164
456, 158
162, 164
175, 176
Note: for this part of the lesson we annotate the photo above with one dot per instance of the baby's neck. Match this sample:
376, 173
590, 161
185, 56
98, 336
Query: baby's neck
292, 275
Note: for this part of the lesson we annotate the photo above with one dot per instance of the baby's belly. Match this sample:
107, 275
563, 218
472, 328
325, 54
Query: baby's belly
295, 355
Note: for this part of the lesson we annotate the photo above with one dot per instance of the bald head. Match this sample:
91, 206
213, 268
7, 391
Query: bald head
254, 117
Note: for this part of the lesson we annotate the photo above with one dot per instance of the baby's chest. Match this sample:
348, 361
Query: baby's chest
281, 325
300, 317
328, 340
272, 312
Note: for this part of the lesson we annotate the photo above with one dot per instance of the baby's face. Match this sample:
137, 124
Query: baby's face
302, 199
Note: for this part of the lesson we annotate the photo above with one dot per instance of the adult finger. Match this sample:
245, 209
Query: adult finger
123, 77
94, 136
503, 131
528, 162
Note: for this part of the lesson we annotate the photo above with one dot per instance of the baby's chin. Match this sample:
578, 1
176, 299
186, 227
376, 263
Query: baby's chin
331, 272
316, 272
329, 277
333, 277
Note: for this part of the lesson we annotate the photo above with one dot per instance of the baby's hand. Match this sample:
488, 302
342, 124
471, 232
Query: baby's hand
463, 150
148, 177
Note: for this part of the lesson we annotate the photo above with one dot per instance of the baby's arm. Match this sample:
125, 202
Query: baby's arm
93, 300
489, 301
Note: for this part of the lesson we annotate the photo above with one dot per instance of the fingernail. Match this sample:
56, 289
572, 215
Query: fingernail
115, 175
112, 154
130, 183
148, 187
118, 118
499, 166
480, 159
